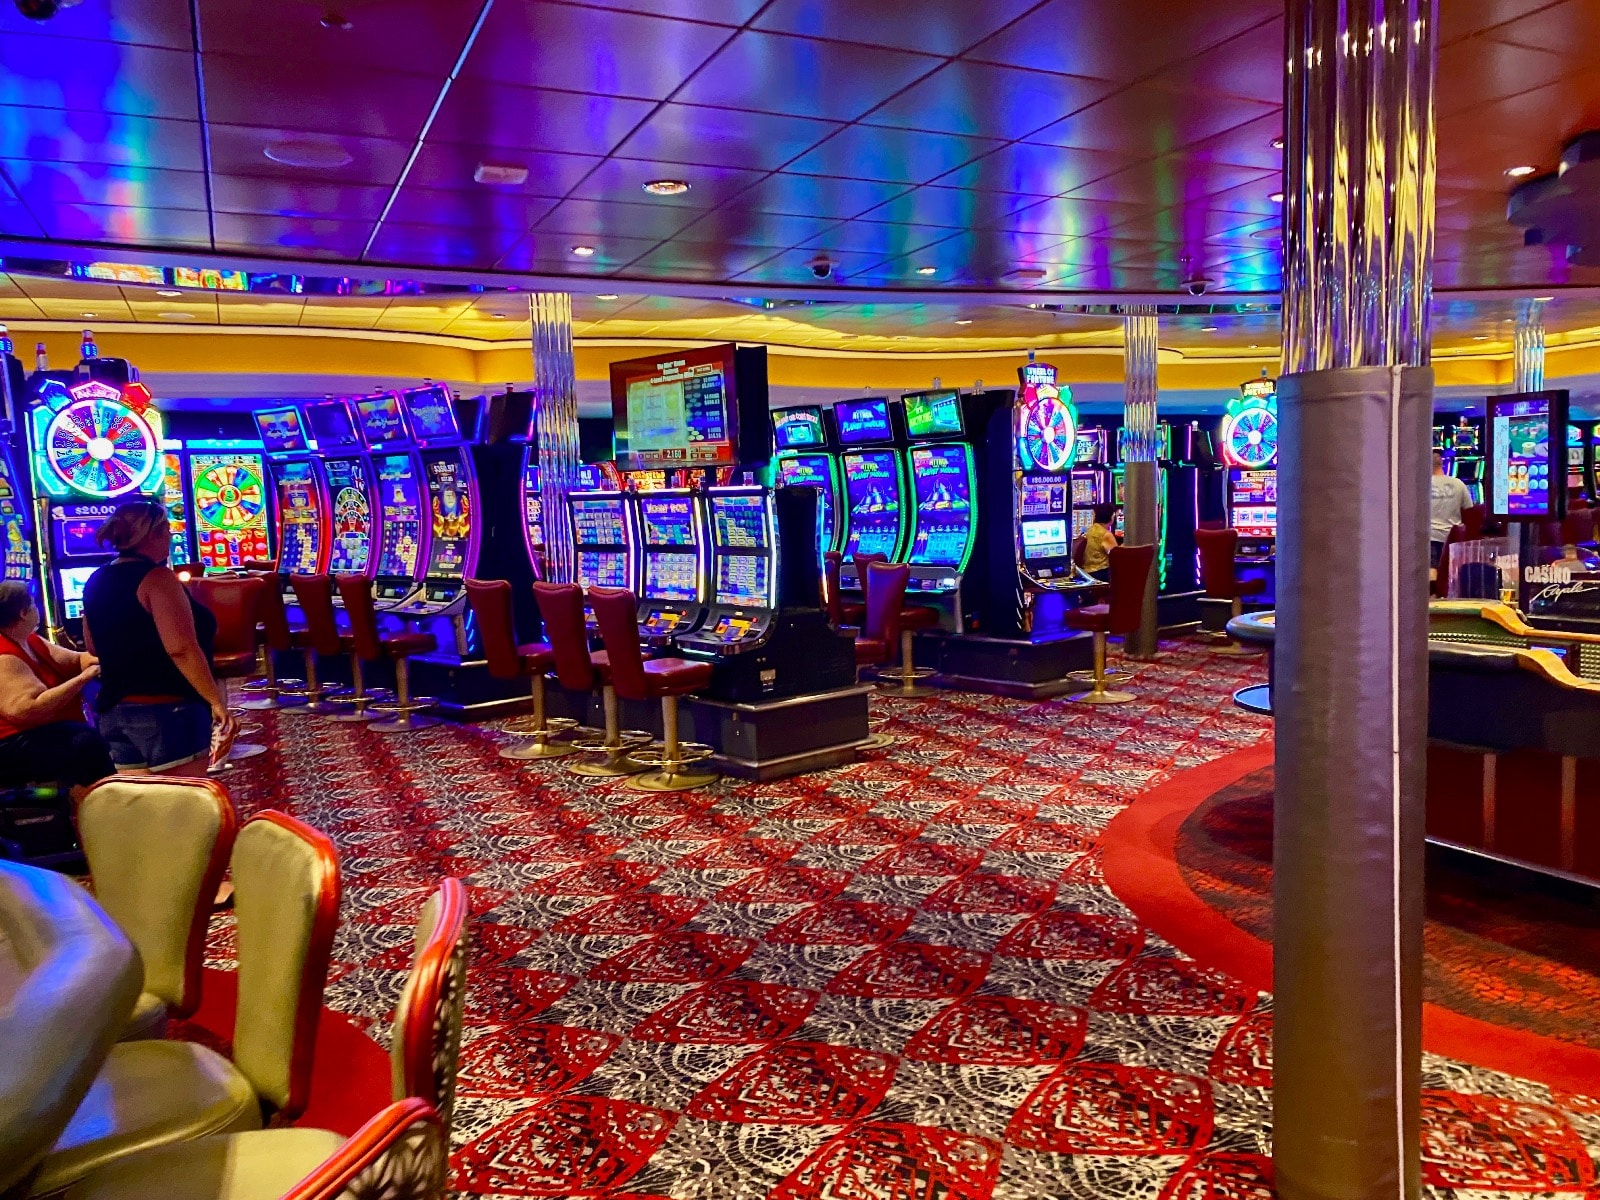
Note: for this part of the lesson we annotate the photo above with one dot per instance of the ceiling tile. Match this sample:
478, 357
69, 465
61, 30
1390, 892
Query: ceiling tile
736, 225
589, 50
141, 22
623, 179
1542, 119
876, 237
1148, 120
1466, 18
17, 220
480, 112
296, 198
473, 207
891, 155
293, 237
90, 137
546, 251
449, 166
687, 133
1175, 180
419, 35
803, 78
1026, 169
697, 260
333, 98
599, 219
1252, 197
420, 245
793, 268
1247, 145
937, 27
1072, 217
1249, 66
137, 81
46, 183
1482, 68
956, 208
816, 195
241, 151
720, 12
980, 98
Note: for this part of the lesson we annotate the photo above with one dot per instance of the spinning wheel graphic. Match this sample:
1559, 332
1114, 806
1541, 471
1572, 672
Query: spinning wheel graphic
1251, 438
229, 496
100, 447
1049, 432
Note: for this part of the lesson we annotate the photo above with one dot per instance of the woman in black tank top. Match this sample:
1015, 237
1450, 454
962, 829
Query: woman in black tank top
159, 701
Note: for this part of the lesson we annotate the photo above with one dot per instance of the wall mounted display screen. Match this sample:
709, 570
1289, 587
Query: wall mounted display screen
672, 575
941, 481
814, 470
873, 497
332, 426
380, 420
667, 520
433, 418
742, 579
1527, 456
350, 503
797, 428
1045, 539
450, 509
400, 502
231, 524
603, 568
282, 430
676, 411
863, 421
598, 521
299, 518
933, 414
739, 522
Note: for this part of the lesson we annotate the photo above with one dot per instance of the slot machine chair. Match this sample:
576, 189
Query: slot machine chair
490, 601
832, 565
1578, 528
275, 637
906, 679
580, 670
633, 677
370, 645
236, 604
320, 639
885, 585
1473, 520
1219, 576
1439, 584
1130, 580
854, 614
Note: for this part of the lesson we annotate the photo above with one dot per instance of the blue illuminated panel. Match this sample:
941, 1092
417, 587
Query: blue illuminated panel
942, 484
598, 521
739, 522
299, 518
872, 492
450, 502
400, 493
742, 579
672, 575
603, 568
668, 520
863, 421
352, 516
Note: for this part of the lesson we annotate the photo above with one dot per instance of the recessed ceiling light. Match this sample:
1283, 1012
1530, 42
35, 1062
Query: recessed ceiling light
1254, 346
964, 321
1033, 306
1276, 197
500, 174
334, 20
1277, 143
1208, 329
302, 152
583, 251
1480, 337
901, 337
88, 316
666, 187
1544, 299
1268, 235
1519, 172
927, 270
169, 292
1029, 273
498, 316
606, 296
176, 316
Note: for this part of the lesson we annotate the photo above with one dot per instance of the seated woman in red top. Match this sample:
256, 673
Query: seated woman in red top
43, 737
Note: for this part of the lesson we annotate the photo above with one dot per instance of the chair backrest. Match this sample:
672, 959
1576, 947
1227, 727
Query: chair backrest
1441, 576
886, 593
236, 604
863, 563
274, 616
1218, 572
1079, 545
1472, 520
315, 594
1578, 527
402, 1154
1130, 579
157, 846
71, 980
425, 1043
832, 561
286, 901
362, 613
616, 611
490, 600
561, 610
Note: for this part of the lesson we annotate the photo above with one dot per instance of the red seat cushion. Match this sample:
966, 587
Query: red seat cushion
871, 650
1092, 617
404, 645
918, 616
233, 666
675, 676
537, 658
1249, 587
601, 662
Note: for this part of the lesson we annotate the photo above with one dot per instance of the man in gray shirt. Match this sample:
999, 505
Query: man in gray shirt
1447, 497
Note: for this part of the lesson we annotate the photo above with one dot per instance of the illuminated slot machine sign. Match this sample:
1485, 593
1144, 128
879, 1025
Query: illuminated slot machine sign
741, 539
600, 537
231, 523
450, 497
1250, 449
672, 571
14, 525
383, 431
301, 521
873, 492
94, 440
349, 484
942, 484
799, 440
176, 499
676, 412
1046, 447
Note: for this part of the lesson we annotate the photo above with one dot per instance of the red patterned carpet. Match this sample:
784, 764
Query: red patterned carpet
903, 979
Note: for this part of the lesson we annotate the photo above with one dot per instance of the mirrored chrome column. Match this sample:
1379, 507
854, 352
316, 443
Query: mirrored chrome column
1527, 363
1140, 330
1351, 672
555, 398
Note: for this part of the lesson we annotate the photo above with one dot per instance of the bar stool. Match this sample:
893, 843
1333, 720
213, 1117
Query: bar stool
578, 670
854, 614
1130, 579
369, 645
319, 638
665, 679
491, 602
907, 681
236, 604
274, 637
1219, 575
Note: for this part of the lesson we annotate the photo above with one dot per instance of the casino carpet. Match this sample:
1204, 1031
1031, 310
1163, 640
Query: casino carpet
905, 978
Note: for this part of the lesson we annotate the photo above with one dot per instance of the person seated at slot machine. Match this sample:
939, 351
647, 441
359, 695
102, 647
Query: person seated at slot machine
1099, 542
43, 736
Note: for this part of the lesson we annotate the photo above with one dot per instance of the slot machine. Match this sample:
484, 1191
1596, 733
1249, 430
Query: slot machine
944, 495
805, 458
175, 495
673, 563
1579, 448
875, 491
225, 495
94, 441
1464, 458
451, 504
401, 498
603, 538
1091, 479
1250, 449
299, 500
351, 489
16, 531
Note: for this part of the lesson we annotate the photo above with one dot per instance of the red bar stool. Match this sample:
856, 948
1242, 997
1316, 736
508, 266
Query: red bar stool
363, 701
579, 670
319, 639
491, 601
1130, 578
885, 584
1219, 575
235, 603
907, 681
616, 610
275, 636
370, 645
854, 614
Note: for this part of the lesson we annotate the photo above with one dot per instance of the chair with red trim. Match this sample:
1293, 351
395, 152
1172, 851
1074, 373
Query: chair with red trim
1219, 576
885, 584
907, 679
236, 604
628, 673
1473, 519
275, 637
320, 638
854, 614
363, 702
399, 648
1130, 579
157, 848
580, 670
156, 1093
1579, 526
832, 564
491, 603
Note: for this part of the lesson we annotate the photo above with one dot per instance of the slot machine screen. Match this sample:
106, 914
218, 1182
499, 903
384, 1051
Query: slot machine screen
231, 525
680, 411
282, 431
450, 511
813, 470
1255, 488
796, 428
1045, 539
177, 503
667, 520
1256, 520
73, 535
400, 502
331, 426
672, 575
602, 568
433, 417
742, 579
380, 420
739, 522
933, 414
532, 502
1084, 492
941, 480
598, 521
299, 518
1091, 446
352, 516
1043, 496
1527, 453
863, 421
72, 581
872, 491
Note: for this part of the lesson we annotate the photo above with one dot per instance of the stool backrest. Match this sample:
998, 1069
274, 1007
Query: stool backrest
1080, 546
362, 613
157, 846
286, 901
1218, 573
490, 600
274, 616
1472, 520
616, 611
1130, 579
561, 610
315, 594
886, 593
236, 604
1578, 527
425, 1043
832, 561
863, 563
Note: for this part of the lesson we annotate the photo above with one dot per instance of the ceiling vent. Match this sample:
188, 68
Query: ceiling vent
1564, 209
500, 175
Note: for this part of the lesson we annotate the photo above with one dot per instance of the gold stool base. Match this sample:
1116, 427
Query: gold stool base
403, 724
1235, 649
537, 750
1103, 698
671, 781
355, 716
613, 766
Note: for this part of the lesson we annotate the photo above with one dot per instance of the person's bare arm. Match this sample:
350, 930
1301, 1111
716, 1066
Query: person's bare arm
168, 605
70, 660
24, 700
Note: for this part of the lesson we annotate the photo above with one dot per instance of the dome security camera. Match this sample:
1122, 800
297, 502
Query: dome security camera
821, 266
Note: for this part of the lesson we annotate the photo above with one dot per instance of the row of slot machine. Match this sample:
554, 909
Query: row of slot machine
1461, 445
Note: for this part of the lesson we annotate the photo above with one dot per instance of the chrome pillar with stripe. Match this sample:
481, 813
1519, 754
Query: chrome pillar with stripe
1527, 361
555, 421
1140, 477
1355, 410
